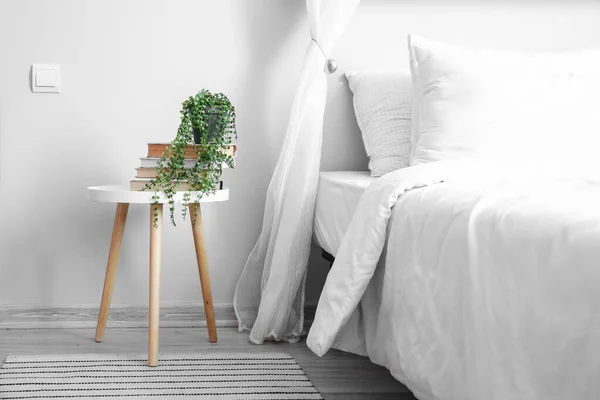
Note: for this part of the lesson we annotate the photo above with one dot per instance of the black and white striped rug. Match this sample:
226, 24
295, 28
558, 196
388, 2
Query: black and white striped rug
111, 376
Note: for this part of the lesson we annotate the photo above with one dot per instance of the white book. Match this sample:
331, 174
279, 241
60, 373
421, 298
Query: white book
140, 183
150, 162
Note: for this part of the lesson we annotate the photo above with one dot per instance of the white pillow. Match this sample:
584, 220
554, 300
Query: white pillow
383, 112
503, 105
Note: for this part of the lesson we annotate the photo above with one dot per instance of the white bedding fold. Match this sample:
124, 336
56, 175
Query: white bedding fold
490, 289
361, 251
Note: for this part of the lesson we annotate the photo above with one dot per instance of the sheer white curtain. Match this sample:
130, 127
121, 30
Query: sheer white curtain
269, 297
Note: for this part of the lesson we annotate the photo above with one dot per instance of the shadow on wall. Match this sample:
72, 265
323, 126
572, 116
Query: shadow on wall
270, 29
343, 148
266, 81
267, 30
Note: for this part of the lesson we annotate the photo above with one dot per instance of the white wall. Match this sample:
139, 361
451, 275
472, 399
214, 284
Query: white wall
126, 66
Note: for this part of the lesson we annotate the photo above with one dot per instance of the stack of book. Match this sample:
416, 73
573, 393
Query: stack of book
147, 170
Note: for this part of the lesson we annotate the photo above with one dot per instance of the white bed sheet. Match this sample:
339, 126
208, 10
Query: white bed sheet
337, 197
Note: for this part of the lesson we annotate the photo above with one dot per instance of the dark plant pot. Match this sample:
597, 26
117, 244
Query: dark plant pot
197, 136
212, 115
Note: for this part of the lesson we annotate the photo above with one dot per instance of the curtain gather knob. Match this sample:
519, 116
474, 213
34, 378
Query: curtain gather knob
330, 64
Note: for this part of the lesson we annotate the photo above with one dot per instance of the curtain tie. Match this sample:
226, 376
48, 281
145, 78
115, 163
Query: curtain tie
330, 64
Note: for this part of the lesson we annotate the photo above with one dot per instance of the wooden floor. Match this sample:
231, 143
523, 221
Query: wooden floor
337, 375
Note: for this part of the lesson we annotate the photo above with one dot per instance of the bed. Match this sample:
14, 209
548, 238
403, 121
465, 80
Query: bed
510, 317
469, 277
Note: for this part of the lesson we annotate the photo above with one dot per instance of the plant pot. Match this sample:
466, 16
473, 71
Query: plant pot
197, 136
212, 115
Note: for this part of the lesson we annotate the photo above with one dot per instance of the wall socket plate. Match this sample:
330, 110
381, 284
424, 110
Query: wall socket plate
45, 78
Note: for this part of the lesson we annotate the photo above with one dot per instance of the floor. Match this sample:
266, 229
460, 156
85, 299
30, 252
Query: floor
337, 375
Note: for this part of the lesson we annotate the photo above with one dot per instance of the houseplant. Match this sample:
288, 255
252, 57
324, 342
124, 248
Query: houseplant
207, 122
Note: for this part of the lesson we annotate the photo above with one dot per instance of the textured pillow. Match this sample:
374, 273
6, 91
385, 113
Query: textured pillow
503, 105
382, 107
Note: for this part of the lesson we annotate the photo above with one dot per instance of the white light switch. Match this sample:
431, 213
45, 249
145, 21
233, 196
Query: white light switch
45, 78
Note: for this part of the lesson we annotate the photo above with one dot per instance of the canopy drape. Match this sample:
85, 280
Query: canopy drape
269, 296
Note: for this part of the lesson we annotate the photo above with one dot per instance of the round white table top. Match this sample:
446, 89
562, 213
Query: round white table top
122, 194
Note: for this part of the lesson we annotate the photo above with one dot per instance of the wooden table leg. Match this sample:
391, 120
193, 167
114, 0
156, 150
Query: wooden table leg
196, 211
156, 220
111, 268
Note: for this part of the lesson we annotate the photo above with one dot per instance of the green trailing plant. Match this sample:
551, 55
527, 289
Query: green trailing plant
208, 122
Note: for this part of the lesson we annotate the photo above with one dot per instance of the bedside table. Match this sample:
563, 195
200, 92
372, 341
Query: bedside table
123, 197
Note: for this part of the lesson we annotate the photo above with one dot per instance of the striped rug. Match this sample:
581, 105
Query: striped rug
116, 376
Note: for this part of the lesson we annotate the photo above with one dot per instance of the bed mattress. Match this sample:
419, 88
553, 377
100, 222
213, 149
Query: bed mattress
337, 197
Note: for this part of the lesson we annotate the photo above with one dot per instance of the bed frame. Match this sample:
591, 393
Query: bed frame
328, 257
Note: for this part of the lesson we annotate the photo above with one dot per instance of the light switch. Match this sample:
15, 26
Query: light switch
45, 78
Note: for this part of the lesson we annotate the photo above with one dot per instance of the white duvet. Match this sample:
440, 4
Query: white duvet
488, 285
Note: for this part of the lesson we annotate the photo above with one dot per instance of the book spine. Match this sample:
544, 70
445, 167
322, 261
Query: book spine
150, 162
191, 151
